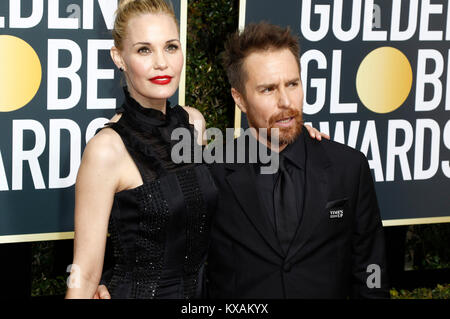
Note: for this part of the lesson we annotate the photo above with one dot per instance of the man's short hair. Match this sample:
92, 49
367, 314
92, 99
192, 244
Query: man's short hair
260, 36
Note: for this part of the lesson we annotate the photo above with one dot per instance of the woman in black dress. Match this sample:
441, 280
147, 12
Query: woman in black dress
157, 212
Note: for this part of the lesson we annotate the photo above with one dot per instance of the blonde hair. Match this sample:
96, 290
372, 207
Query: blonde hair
130, 8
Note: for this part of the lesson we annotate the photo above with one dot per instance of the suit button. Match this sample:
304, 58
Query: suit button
287, 267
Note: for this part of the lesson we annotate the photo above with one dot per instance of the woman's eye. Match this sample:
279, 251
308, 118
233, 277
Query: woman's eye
144, 50
172, 47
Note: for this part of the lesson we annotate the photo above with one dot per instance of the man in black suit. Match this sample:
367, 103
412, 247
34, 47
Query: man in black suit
310, 230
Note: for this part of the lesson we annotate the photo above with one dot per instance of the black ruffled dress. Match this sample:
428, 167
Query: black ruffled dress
159, 231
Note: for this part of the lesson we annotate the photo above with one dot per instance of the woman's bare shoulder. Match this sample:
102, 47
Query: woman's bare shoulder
196, 118
105, 148
107, 140
194, 114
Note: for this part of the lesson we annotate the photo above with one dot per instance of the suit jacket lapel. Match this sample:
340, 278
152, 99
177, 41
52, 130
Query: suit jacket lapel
315, 194
242, 183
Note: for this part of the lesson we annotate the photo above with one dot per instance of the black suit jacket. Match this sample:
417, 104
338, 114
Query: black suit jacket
330, 254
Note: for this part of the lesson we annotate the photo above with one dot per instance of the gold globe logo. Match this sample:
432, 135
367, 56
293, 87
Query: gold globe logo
384, 80
21, 73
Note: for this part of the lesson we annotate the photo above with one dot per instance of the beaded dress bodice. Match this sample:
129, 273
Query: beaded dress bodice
159, 230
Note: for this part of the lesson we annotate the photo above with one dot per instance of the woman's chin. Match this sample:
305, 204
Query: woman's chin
161, 93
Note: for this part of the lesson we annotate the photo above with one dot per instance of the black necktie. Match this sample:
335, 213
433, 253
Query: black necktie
284, 200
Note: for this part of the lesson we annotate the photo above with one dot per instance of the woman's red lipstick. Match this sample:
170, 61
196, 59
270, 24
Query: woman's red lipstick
161, 80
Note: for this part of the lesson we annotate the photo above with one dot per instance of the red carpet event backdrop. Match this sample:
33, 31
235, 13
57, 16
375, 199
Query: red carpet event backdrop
376, 77
58, 85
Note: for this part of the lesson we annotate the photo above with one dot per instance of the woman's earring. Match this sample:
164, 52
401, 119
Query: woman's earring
121, 69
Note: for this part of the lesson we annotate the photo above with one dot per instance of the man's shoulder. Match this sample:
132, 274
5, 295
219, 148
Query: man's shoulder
340, 153
234, 156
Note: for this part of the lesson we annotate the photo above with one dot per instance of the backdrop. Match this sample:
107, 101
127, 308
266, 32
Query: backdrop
58, 85
376, 77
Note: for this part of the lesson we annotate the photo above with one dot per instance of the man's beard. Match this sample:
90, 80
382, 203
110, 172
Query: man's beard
286, 135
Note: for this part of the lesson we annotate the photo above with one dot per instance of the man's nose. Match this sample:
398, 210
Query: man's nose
283, 98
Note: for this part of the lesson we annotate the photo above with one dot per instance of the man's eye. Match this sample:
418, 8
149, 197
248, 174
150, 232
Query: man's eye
267, 90
293, 84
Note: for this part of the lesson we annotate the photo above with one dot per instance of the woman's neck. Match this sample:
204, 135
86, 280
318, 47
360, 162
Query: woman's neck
157, 104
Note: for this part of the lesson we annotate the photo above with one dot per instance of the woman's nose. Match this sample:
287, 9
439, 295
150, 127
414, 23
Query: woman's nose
160, 62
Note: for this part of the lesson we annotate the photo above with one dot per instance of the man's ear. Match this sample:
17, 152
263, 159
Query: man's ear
239, 100
117, 58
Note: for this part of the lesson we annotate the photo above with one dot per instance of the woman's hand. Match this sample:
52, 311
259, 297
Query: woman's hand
316, 134
102, 293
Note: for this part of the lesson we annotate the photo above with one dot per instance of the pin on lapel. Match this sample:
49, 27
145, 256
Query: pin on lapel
337, 213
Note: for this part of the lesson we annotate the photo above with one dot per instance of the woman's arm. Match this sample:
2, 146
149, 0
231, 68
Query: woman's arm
96, 184
196, 118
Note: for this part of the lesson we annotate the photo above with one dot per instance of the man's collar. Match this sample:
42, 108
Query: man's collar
296, 151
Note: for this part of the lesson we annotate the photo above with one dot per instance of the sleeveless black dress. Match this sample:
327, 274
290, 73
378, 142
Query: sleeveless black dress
159, 231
